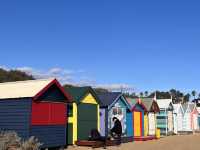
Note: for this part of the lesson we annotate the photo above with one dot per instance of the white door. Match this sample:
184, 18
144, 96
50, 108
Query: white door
170, 121
195, 121
179, 122
187, 122
152, 123
175, 123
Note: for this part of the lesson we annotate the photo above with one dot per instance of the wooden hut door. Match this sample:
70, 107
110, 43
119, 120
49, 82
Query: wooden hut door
137, 123
70, 133
195, 121
103, 122
152, 124
170, 121
146, 126
87, 120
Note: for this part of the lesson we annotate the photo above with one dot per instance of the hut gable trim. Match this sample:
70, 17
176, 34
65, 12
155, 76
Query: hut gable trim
136, 101
165, 104
151, 105
178, 108
28, 89
80, 93
189, 108
123, 100
51, 83
108, 99
89, 98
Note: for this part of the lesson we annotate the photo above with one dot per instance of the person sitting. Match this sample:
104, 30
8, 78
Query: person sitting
116, 131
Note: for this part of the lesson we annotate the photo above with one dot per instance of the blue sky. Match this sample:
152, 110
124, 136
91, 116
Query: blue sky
147, 45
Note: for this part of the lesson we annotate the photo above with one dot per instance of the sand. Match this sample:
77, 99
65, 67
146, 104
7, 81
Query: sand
182, 142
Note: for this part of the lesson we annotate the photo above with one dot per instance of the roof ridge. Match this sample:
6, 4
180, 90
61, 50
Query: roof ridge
36, 80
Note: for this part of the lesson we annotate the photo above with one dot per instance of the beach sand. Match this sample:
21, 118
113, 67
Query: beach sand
182, 142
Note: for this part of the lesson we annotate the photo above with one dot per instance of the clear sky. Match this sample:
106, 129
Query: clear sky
146, 44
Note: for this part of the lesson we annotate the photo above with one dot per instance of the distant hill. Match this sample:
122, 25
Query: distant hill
13, 75
97, 90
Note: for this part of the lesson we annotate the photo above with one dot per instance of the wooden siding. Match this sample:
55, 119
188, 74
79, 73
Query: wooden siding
87, 119
170, 121
50, 136
15, 115
138, 120
152, 123
146, 126
165, 122
137, 117
70, 139
187, 122
175, 122
72, 121
48, 113
129, 123
103, 121
90, 99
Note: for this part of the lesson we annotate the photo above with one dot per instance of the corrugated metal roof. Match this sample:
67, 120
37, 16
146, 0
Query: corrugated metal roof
20, 89
164, 103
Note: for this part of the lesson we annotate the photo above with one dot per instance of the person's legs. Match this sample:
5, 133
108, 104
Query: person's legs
112, 134
119, 139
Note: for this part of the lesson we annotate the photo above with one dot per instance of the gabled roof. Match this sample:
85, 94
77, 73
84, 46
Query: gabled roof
191, 106
78, 93
150, 104
28, 89
164, 103
109, 98
188, 106
185, 107
177, 107
134, 101
147, 103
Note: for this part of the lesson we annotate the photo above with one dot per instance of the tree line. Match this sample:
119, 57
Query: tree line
176, 95
13, 75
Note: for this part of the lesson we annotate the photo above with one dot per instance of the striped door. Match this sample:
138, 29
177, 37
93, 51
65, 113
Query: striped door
137, 117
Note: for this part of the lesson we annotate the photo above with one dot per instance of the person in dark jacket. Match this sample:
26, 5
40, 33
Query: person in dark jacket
116, 131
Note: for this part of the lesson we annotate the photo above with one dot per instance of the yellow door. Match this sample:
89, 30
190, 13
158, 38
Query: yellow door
146, 129
137, 123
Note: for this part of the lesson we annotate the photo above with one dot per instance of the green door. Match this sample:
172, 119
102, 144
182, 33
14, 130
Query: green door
87, 120
70, 133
